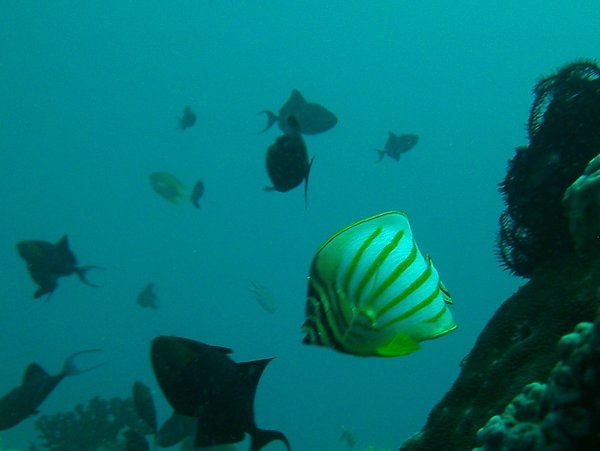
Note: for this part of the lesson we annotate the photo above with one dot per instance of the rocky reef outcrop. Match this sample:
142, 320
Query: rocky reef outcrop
518, 346
563, 414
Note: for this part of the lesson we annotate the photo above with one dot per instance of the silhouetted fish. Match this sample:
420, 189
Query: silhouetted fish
168, 186
201, 381
197, 193
287, 161
264, 297
144, 405
49, 262
147, 297
188, 119
177, 428
312, 118
398, 144
24, 400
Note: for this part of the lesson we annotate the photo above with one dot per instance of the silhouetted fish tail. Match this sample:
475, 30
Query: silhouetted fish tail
81, 272
260, 438
381, 154
271, 119
70, 369
306, 183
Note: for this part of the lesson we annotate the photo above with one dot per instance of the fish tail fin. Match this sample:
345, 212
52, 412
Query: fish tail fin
271, 119
69, 367
194, 201
306, 183
261, 437
81, 272
380, 153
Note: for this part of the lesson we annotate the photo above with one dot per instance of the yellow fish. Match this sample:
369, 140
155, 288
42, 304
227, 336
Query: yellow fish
168, 186
372, 293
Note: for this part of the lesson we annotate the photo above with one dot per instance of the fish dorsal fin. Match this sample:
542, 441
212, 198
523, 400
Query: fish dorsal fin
221, 349
63, 244
296, 97
445, 293
34, 373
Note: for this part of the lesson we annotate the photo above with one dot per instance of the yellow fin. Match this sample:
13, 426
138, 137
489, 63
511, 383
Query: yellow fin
400, 345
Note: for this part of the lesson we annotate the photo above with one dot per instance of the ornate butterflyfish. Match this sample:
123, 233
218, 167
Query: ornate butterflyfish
372, 293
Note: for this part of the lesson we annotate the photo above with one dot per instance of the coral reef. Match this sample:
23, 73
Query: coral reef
564, 135
517, 346
562, 414
582, 206
90, 428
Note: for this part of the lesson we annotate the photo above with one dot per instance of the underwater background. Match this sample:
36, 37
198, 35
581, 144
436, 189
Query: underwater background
91, 93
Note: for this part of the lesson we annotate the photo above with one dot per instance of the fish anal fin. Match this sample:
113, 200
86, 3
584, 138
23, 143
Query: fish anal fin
34, 373
41, 291
400, 345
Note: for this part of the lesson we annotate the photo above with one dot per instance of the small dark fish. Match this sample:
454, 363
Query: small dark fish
176, 429
397, 144
49, 262
188, 119
312, 118
134, 441
147, 297
287, 161
144, 405
201, 381
24, 400
197, 193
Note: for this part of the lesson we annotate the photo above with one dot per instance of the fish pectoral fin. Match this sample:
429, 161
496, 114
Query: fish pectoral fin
400, 345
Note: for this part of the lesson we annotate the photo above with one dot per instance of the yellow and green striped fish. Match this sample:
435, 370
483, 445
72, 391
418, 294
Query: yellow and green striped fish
372, 293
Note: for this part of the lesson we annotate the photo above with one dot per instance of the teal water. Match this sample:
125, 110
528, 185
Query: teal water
90, 94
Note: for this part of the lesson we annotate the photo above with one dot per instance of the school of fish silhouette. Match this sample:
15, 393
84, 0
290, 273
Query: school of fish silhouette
370, 290
375, 261
370, 293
